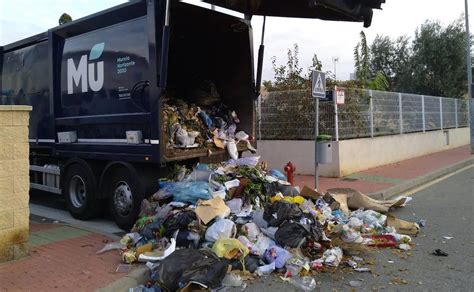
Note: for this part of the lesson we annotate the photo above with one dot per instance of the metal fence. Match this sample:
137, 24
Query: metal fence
289, 115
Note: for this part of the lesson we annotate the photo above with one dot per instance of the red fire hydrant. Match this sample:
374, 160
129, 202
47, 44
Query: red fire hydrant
290, 172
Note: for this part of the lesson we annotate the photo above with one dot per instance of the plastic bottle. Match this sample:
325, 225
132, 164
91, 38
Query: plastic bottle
306, 283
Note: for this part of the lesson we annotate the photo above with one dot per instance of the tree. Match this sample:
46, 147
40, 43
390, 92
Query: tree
438, 61
64, 18
392, 59
401, 65
315, 65
289, 76
382, 57
361, 58
380, 82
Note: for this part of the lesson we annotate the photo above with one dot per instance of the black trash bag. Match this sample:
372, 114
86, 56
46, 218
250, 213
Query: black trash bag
287, 190
149, 231
251, 264
281, 211
270, 189
187, 239
291, 234
186, 265
178, 221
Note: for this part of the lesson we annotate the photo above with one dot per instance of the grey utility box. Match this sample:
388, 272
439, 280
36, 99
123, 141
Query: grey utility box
324, 152
67, 137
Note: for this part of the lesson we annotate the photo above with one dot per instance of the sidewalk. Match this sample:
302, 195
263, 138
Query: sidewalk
383, 177
63, 257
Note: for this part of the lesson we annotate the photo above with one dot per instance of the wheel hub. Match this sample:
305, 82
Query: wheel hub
123, 198
77, 191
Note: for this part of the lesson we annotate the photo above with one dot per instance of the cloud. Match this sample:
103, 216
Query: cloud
23, 18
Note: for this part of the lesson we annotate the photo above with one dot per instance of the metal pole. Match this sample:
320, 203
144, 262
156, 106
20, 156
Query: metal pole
336, 114
441, 113
456, 112
167, 13
371, 112
400, 113
470, 98
423, 112
316, 133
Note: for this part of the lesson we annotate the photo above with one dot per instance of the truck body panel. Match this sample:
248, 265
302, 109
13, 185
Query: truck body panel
94, 81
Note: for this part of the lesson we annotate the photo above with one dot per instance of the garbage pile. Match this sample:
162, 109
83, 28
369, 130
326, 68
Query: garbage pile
219, 225
190, 126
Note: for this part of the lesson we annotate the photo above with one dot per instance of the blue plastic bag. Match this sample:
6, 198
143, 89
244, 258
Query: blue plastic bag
189, 192
278, 174
278, 255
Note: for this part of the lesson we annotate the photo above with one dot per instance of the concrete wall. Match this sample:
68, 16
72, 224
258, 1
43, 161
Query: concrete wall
277, 153
14, 182
360, 154
355, 155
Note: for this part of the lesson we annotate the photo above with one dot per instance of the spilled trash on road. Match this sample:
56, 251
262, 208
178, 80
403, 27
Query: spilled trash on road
230, 223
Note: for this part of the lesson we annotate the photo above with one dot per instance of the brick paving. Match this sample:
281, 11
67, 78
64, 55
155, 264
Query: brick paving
379, 178
65, 264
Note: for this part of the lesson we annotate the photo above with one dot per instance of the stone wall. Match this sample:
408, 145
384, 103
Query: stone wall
14, 182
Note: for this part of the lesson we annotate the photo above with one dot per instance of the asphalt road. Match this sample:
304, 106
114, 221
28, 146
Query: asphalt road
447, 207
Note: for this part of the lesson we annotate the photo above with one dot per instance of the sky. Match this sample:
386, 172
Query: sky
23, 18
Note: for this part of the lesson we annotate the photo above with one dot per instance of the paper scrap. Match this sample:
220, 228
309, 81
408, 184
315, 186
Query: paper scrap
210, 209
307, 192
232, 184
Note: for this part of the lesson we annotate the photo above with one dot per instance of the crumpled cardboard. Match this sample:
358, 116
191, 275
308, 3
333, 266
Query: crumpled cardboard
210, 209
332, 202
309, 193
356, 200
342, 199
402, 226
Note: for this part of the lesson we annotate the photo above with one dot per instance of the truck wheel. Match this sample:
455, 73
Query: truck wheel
80, 192
126, 194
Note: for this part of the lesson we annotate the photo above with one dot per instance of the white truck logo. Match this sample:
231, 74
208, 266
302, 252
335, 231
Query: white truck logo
85, 73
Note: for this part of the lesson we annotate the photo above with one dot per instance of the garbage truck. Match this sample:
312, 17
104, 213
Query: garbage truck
96, 86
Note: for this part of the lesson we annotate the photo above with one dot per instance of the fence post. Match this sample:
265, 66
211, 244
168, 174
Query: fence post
441, 112
400, 112
336, 114
456, 112
423, 112
371, 113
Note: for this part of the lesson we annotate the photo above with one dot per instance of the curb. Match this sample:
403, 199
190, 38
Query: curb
139, 276
421, 180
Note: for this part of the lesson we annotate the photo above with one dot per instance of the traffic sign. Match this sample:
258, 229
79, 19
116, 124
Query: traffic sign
319, 84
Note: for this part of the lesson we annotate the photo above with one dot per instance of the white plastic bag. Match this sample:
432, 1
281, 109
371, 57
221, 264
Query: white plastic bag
262, 244
222, 227
235, 205
252, 231
232, 150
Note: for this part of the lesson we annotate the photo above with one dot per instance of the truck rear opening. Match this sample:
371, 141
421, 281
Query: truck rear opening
209, 51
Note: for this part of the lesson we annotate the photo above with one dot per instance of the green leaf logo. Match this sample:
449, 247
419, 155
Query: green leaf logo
96, 51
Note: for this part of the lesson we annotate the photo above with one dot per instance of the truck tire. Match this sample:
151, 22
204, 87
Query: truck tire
80, 192
125, 197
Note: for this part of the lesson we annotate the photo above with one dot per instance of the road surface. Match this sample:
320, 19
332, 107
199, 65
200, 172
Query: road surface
447, 207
